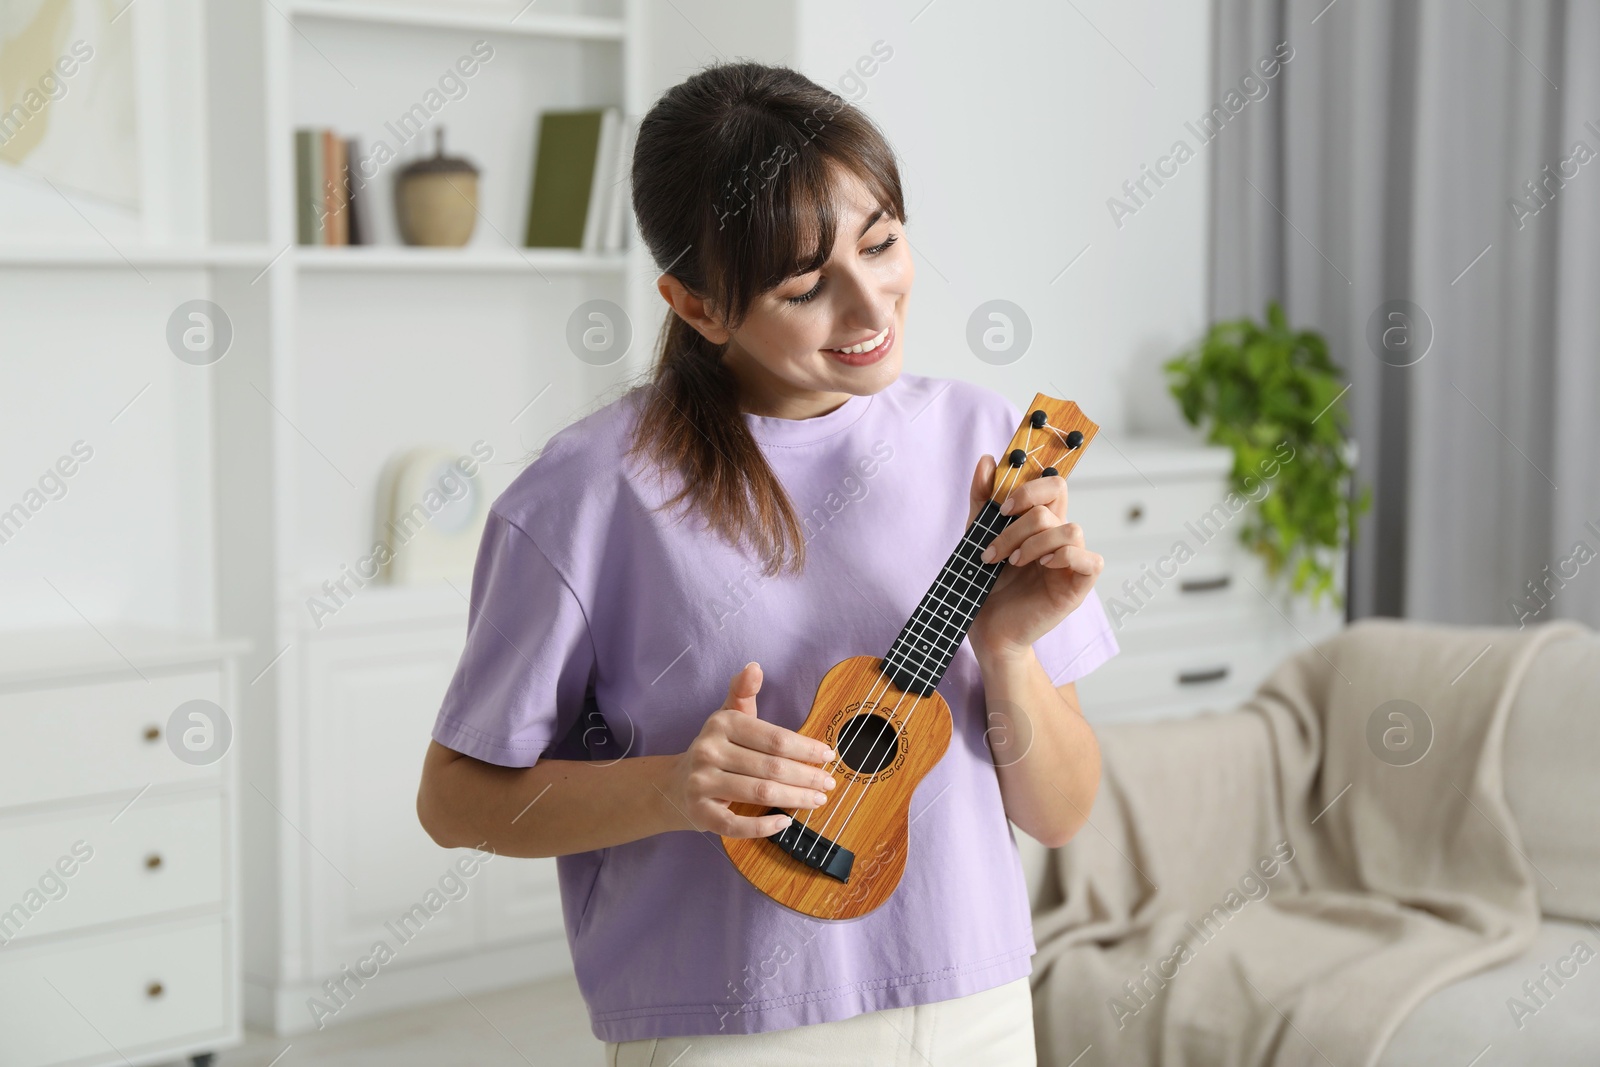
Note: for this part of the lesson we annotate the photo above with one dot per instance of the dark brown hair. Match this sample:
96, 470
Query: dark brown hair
733, 188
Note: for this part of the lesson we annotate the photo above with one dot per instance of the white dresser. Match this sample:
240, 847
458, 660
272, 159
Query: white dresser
118, 884
371, 916
1196, 632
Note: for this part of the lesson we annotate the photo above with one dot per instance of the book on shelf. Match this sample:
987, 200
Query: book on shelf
335, 227
580, 187
330, 205
356, 231
307, 176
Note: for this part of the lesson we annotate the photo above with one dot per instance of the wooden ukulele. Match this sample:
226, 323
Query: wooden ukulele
885, 718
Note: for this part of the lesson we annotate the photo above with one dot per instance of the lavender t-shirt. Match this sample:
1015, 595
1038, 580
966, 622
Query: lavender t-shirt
602, 629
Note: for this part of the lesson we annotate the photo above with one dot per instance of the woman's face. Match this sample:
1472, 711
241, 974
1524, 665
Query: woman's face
788, 353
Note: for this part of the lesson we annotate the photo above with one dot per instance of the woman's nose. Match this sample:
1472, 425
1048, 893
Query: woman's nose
863, 305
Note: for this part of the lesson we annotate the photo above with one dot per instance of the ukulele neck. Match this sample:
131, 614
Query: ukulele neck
926, 646
1049, 442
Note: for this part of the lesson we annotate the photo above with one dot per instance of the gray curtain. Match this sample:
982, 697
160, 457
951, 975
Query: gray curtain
1390, 161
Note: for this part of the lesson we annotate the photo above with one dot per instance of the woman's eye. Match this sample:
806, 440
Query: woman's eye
803, 297
876, 249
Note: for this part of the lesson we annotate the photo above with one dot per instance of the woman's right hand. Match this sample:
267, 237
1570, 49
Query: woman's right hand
739, 758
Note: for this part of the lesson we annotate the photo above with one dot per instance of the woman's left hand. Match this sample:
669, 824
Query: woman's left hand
1051, 570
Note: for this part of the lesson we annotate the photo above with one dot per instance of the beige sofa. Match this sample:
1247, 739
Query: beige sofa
1543, 1007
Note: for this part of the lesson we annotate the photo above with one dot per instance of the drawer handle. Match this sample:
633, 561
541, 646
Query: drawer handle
1135, 512
153, 990
1210, 674
152, 733
1204, 585
153, 861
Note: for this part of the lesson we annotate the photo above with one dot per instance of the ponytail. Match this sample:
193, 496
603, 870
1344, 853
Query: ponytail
690, 422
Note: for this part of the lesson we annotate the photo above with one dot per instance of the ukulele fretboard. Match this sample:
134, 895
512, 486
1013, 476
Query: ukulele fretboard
923, 651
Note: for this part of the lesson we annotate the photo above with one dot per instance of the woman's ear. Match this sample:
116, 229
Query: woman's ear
692, 309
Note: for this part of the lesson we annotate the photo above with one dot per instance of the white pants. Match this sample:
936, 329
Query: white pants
993, 1028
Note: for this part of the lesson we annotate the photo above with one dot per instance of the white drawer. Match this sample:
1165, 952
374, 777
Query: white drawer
1108, 511
1196, 626
1209, 580
104, 737
97, 1000
69, 871
1186, 672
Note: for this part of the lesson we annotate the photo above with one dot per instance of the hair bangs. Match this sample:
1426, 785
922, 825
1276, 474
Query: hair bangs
779, 218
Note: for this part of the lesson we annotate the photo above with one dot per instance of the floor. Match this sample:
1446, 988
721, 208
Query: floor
539, 1024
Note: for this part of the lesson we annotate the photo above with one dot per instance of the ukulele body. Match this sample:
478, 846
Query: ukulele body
843, 859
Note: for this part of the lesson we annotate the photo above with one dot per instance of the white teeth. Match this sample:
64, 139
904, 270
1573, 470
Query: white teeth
865, 346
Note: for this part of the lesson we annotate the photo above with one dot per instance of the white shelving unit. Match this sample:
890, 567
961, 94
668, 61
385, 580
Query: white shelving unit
525, 22
229, 493
344, 357
488, 260
192, 257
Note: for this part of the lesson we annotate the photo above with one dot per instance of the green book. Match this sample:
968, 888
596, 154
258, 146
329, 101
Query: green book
563, 208
308, 166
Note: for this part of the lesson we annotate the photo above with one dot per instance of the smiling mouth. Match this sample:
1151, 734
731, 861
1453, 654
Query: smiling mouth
865, 346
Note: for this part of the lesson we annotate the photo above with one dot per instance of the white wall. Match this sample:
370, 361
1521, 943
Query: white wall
1015, 123
83, 358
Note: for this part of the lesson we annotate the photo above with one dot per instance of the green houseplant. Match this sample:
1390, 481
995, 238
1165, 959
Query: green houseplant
1254, 387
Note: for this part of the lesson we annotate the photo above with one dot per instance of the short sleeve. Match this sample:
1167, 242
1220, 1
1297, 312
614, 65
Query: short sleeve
1080, 643
520, 684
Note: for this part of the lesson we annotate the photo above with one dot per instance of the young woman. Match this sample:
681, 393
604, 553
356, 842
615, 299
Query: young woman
777, 498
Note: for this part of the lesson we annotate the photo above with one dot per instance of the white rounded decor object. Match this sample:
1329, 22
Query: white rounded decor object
431, 511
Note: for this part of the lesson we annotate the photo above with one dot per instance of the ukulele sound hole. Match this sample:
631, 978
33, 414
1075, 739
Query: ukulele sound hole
868, 744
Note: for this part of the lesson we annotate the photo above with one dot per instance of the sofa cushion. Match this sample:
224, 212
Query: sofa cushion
1552, 1027
1552, 745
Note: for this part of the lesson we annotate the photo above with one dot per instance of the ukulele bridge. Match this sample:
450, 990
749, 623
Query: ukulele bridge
813, 850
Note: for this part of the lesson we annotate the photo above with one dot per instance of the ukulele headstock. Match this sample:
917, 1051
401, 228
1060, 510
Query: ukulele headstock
1052, 436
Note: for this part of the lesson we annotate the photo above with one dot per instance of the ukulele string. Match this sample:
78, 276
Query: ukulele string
993, 577
847, 736
845, 740
1030, 454
909, 714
